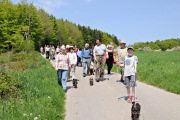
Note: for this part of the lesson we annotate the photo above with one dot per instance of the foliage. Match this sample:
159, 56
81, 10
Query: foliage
31, 88
164, 45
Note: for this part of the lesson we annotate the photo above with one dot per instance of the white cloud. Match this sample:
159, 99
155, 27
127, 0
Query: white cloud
50, 5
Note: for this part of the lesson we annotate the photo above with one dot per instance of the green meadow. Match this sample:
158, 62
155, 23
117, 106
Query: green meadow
161, 69
29, 88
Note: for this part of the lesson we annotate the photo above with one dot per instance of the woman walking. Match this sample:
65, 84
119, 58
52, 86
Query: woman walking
62, 67
110, 58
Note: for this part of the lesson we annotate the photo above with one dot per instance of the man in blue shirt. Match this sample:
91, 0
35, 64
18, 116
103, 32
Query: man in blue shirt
86, 59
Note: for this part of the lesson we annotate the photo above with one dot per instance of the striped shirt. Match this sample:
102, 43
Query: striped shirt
62, 62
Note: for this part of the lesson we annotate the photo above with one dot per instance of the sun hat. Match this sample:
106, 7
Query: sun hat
130, 48
63, 47
67, 46
71, 47
122, 42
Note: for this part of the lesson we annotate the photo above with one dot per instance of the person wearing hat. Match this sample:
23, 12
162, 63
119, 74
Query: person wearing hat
130, 69
67, 48
110, 58
86, 59
73, 60
62, 67
121, 53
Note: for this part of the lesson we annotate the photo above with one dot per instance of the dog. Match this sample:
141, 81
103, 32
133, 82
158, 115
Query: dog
135, 111
75, 83
91, 81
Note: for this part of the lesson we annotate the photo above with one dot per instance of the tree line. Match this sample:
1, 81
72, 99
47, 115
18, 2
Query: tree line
44, 29
163, 45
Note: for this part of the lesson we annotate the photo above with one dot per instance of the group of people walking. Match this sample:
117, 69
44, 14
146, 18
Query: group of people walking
95, 59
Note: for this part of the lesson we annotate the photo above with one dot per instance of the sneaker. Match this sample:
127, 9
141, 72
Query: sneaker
84, 75
97, 80
65, 90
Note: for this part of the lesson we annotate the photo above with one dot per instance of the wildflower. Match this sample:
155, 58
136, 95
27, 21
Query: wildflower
172, 62
39, 115
31, 114
49, 97
25, 114
35, 118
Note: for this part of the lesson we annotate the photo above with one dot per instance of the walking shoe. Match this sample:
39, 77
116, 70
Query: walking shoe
97, 80
65, 90
84, 75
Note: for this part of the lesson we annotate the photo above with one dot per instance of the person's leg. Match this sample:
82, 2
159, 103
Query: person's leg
64, 75
88, 65
96, 63
110, 66
59, 74
73, 68
84, 66
133, 84
107, 62
128, 86
102, 63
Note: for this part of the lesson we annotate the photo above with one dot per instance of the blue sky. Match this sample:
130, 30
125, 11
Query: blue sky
130, 20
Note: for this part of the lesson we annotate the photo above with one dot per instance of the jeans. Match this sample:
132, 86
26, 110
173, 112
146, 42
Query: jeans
86, 62
62, 75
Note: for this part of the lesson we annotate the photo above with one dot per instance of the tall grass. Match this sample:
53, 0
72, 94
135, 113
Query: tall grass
161, 69
39, 95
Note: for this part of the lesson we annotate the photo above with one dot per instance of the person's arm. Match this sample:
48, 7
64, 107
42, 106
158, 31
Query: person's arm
135, 64
69, 64
94, 53
75, 60
82, 54
123, 64
57, 63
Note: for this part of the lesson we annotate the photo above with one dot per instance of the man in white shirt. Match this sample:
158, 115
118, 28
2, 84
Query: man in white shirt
73, 60
99, 59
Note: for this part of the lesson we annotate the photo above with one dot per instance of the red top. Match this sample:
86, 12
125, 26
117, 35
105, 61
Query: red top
76, 50
67, 51
113, 56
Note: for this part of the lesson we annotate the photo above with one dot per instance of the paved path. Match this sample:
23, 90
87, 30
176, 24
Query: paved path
106, 101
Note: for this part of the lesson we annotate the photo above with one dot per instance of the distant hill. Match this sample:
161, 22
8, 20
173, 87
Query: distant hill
163, 45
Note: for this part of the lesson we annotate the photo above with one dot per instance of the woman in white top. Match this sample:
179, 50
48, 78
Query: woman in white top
73, 60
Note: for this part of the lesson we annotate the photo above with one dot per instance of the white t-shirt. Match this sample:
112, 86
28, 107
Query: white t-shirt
129, 62
57, 49
72, 57
100, 50
47, 49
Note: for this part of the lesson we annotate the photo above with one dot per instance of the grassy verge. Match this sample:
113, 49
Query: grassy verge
161, 69
37, 92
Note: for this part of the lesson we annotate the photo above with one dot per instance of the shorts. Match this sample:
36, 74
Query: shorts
130, 81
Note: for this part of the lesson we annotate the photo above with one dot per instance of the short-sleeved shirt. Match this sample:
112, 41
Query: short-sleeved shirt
129, 62
100, 50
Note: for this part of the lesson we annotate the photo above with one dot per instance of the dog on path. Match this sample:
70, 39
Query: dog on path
135, 111
75, 83
91, 81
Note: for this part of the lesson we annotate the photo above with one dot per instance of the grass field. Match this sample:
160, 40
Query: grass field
161, 69
39, 96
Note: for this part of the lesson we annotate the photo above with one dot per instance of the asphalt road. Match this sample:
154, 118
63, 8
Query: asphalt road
107, 100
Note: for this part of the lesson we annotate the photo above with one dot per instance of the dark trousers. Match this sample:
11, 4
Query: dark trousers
109, 65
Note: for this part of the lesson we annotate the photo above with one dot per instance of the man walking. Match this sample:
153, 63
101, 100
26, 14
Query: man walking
121, 53
86, 59
99, 59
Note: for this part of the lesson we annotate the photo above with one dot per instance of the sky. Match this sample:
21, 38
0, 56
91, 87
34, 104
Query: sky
130, 20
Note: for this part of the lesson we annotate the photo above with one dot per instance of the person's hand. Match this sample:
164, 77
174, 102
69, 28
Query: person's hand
81, 61
56, 69
117, 63
135, 71
95, 59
